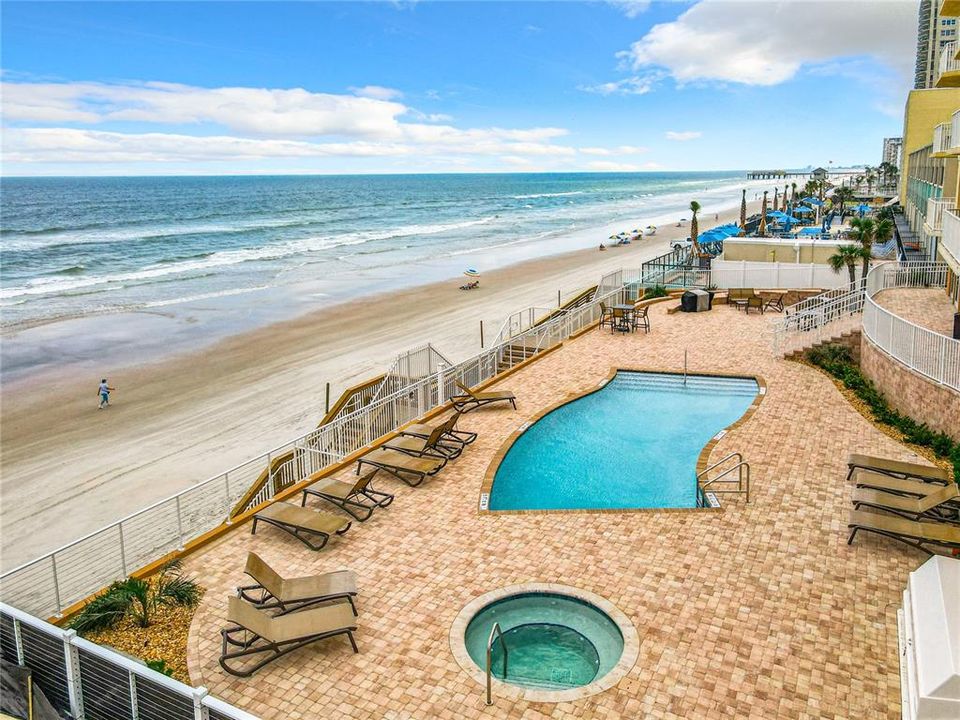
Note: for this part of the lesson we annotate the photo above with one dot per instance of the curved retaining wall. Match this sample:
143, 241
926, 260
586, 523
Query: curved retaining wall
910, 392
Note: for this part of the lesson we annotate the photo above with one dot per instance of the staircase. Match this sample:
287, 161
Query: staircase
832, 316
514, 355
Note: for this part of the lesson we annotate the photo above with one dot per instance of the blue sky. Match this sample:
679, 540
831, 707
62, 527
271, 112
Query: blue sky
223, 87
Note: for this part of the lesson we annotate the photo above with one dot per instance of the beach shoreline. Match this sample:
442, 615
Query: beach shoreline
179, 420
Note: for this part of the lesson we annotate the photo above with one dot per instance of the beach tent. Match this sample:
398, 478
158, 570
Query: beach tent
811, 231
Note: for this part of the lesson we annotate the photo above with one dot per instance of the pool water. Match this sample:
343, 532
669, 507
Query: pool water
552, 641
632, 444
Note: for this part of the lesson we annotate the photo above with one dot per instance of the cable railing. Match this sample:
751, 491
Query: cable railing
54, 582
925, 351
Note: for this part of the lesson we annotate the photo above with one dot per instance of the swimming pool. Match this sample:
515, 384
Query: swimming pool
632, 444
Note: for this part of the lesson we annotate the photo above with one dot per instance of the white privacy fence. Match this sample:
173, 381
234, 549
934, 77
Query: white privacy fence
50, 584
85, 681
927, 352
746, 274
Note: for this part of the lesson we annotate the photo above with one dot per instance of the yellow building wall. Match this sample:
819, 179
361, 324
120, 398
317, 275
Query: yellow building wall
925, 110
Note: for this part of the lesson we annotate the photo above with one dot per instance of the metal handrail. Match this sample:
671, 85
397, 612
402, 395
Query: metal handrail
495, 631
742, 487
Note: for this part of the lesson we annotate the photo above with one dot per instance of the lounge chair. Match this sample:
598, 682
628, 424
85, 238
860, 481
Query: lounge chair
938, 506
303, 523
290, 594
775, 303
254, 632
913, 487
755, 301
430, 446
452, 434
412, 470
471, 400
915, 534
897, 468
358, 499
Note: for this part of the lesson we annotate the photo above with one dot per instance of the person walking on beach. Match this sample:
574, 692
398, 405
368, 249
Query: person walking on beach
104, 393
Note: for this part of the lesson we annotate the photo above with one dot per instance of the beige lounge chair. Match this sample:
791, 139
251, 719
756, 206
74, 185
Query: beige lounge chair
471, 400
412, 470
898, 486
451, 434
290, 594
303, 523
915, 534
254, 632
938, 506
897, 468
430, 446
358, 499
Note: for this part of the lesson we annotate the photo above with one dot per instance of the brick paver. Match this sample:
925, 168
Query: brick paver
758, 611
926, 307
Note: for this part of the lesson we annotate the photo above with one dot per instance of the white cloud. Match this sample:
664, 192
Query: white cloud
619, 150
630, 8
635, 85
683, 136
767, 43
609, 166
377, 92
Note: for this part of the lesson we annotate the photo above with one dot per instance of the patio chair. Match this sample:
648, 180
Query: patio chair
451, 434
641, 318
898, 486
289, 594
358, 499
255, 633
430, 446
412, 470
621, 321
915, 534
606, 315
898, 468
471, 400
303, 523
775, 303
939, 505
754, 301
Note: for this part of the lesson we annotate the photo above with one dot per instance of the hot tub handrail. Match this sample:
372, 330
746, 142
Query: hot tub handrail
495, 631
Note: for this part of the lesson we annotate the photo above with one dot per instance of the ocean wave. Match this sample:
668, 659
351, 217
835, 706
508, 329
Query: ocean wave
543, 195
203, 296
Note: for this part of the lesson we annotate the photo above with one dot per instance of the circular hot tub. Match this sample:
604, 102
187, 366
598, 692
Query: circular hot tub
554, 643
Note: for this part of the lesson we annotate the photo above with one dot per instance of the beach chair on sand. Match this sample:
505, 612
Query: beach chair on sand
912, 487
290, 594
939, 505
303, 523
430, 446
358, 499
471, 400
897, 468
257, 635
915, 534
412, 470
451, 434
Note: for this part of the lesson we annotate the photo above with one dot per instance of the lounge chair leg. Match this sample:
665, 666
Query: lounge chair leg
352, 641
852, 536
352, 607
253, 530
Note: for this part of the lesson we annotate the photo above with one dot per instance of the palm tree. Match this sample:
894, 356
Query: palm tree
785, 198
843, 195
847, 256
871, 177
694, 228
863, 231
882, 230
793, 193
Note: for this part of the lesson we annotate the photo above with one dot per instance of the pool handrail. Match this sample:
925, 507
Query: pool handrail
741, 464
495, 631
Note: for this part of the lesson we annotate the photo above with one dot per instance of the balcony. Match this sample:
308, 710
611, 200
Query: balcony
950, 242
955, 134
949, 68
933, 222
943, 140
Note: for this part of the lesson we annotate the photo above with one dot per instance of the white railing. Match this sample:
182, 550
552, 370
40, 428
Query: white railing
948, 61
955, 131
927, 352
52, 583
935, 208
950, 237
84, 680
942, 138
818, 318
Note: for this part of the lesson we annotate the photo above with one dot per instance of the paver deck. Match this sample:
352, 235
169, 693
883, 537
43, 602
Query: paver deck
758, 611
926, 307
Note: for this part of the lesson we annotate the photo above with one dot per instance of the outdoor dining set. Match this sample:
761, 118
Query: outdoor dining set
624, 317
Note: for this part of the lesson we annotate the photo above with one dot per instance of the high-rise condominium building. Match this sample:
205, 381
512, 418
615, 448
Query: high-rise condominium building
934, 31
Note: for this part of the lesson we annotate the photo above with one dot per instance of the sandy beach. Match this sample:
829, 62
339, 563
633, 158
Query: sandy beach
69, 469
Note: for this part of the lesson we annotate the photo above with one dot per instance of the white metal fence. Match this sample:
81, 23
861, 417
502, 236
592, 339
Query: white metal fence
818, 318
927, 352
950, 240
85, 681
49, 584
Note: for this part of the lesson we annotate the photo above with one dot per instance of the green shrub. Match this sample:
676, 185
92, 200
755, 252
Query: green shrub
161, 667
837, 361
655, 292
103, 611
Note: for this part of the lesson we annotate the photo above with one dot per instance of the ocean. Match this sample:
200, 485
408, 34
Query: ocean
73, 247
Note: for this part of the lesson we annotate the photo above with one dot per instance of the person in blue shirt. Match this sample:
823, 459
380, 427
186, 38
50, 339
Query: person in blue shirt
104, 393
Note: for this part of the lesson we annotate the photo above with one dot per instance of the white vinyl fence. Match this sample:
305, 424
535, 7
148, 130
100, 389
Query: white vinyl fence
48, 585
85, 681
745, 274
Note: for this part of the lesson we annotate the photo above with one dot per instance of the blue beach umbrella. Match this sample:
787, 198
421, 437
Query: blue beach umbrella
802, 210
470, 272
